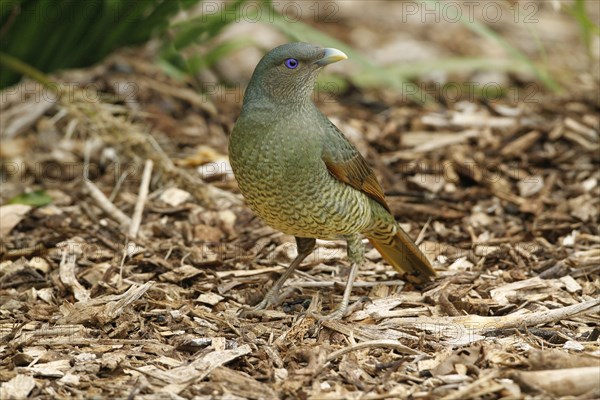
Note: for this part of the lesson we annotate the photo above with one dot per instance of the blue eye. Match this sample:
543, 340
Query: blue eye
291, 63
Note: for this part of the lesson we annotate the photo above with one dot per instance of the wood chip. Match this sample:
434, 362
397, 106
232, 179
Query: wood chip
521, 144
210, 298
11, 215
52, 369
18, 387
174, 196
562, 382
571, 284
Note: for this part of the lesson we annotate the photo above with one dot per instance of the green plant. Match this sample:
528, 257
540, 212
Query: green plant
587, 27
36, 198
49, 35
516, 54
188, 32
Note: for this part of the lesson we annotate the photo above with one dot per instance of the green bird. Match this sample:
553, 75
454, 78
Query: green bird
301, 175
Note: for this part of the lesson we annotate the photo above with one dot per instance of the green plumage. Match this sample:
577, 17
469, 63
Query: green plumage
284, 180
300, 174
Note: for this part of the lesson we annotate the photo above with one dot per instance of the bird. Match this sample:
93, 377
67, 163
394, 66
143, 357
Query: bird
299, 173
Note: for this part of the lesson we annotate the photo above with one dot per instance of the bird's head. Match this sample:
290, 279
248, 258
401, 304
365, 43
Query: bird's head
287, 74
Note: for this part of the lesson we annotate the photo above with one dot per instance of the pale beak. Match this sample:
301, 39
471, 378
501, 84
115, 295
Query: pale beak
331, 55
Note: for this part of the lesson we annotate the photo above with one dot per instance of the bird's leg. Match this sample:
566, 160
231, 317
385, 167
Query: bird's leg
305, 247
356, 252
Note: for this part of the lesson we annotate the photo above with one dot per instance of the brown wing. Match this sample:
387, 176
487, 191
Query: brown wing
346, 164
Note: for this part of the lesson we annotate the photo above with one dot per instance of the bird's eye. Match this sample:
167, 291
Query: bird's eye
291, 63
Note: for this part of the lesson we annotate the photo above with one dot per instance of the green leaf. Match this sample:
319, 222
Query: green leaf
36, 198
50, 35
485, 32
219, 52
206, 26
587, 27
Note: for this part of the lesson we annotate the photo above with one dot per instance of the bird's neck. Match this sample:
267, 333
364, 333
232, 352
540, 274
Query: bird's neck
261, 96
274, 108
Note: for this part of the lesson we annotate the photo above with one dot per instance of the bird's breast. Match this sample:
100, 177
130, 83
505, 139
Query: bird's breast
284, 180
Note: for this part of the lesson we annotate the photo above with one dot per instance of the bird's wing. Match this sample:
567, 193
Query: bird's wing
345, 163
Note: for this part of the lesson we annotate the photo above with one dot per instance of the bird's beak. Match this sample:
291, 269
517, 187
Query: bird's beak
331, 55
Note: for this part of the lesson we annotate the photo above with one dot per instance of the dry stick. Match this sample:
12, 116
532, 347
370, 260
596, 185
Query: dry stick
129, 250
116, 307
138, 211
562, 382
386, 343
104, 309
136, 219
82, 341
123, 258
67, 276
328, 284
484, 382
422, 233
394, 344
101, 200
115, 191
479, 324
104, 203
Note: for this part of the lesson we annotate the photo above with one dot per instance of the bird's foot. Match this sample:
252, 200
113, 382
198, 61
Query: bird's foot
342, 311
358, 304
271, 299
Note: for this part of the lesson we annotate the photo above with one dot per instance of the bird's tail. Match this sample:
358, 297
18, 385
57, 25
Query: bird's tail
403, 254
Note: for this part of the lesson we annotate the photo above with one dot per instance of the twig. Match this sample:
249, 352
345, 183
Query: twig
485, 382
17, 65
103, 309
136, 219
115, 191
394, 344
67, 276
123, 258
422, 233
474, 324
101, 200
109, 208
129, 250
328, 284
569, 382
387, 343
